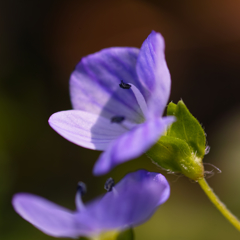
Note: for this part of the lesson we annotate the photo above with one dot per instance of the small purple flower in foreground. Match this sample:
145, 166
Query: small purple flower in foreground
119, 95
131, 202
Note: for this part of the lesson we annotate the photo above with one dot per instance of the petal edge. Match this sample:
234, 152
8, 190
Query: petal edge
153, 73
132, 144
48, 217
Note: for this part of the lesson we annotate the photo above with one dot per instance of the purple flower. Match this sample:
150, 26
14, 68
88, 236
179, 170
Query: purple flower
119, 95
131, 202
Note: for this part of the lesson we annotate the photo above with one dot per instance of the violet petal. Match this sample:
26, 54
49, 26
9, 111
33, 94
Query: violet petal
48, 217
86, 129
132, 144
94, 84
132, 201
153, 73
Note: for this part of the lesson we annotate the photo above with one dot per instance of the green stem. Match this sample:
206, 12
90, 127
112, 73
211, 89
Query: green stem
219, 205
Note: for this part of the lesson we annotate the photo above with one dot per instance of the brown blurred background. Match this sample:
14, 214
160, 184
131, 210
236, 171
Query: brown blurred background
42, 41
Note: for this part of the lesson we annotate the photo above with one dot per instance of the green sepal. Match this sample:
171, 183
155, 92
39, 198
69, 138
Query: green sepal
187, 128
174, 155
182, 147
126, 235
171, 109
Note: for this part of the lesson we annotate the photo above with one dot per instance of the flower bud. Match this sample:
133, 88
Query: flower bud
182, 148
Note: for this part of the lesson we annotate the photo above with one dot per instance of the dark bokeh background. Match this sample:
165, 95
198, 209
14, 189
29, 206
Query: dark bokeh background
42, 41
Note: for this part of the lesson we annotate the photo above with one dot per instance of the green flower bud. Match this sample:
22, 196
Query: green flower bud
182, 148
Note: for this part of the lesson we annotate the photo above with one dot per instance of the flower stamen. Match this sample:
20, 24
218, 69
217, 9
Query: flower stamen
81, 190
109, 184
124, 85
140, 99
117, 119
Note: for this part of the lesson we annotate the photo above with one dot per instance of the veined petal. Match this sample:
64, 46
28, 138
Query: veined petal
48, 217
94, 84
140, 99
132, 144
86, 129
132, 201
153, 73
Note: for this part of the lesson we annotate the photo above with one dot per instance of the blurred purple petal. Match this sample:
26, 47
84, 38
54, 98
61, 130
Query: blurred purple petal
50, 218
131, 202
153, 73
94, 84
85, 129
132, 144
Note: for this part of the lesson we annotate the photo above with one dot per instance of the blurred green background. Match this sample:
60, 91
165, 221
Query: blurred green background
42, 41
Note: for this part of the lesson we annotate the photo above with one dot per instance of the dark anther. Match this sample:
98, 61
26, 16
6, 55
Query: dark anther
81, 187
124, 85
117, 119
109, 184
